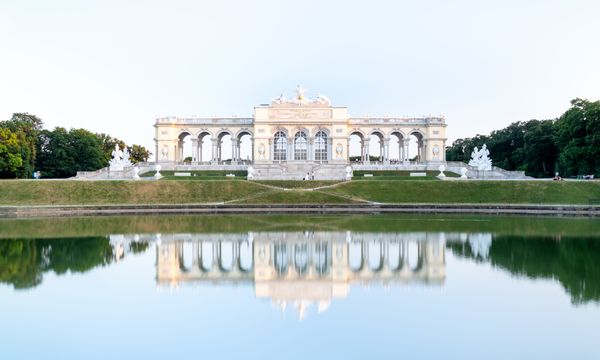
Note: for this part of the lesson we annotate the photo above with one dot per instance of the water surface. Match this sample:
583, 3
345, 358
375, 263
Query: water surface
300, 287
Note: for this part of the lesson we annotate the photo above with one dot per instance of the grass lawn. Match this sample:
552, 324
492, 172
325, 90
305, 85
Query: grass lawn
185, 191
398, 175
495, 192
199, 175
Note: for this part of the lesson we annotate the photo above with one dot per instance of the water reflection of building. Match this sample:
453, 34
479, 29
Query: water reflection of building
301, 268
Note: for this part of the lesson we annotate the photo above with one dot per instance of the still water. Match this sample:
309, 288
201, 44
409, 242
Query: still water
262, 287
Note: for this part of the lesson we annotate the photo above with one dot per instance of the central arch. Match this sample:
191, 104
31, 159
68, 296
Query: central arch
301, 146
280, 146
321, 148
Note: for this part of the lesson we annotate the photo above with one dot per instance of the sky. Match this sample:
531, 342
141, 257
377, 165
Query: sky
114, 66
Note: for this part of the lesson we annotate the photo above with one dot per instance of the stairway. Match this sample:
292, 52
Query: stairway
298, 171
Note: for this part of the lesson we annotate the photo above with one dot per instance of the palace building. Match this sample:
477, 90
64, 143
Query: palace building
294, 137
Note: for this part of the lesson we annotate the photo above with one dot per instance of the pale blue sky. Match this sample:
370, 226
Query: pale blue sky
113, 66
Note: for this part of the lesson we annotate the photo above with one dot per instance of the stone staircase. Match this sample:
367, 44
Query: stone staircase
298, 171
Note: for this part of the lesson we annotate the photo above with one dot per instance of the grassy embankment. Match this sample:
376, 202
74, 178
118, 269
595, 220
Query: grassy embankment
31, 192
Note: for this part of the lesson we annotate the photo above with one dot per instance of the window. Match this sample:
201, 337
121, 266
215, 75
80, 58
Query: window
280, 145
300, 146
321, 146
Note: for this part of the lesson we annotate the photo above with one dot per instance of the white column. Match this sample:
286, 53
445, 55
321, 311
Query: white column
194, 150
233, 148
200, 142
215, 147
367, 159
386, 151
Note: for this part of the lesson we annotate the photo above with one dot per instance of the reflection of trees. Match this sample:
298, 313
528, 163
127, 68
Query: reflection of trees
572, 261
23, 262
20, 263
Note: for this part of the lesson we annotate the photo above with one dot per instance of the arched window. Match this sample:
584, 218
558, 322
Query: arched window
321, 146
300, 146
280, 146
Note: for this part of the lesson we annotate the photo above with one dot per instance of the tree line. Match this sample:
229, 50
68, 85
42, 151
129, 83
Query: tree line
25, 147
569, 145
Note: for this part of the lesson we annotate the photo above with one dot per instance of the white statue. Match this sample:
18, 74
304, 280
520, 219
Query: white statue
463, 173
157, 167
136, 173
279, 100
300, 94
116, 163
348, 172
480, 159
250, 173
125, 160
442, 168
322, 99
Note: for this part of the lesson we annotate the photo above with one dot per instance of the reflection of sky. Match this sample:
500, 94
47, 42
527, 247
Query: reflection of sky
117, 312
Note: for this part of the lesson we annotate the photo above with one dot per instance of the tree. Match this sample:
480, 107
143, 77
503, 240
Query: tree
578, 138
26, 127
62, 153
138, 153
10, 154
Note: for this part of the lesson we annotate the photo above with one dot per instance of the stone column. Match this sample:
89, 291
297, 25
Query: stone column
424, 154
366, 159
234, 147
215, 150
405, 152
200, 142
386, 151
194, 150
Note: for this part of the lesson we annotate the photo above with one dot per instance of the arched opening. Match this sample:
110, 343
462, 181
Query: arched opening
415, 147
376, 151
280, 146
245, 149
396, 148
224, 148
186, 256
226, 256
301, 258
206, 255
246, 256
355, 147
375, 251
395, 256
414, 255
184, 148
301, 146
321, 146
322, 257
280, 252
204, 147
355, 256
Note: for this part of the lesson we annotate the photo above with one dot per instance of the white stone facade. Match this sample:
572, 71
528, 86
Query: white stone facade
302, 131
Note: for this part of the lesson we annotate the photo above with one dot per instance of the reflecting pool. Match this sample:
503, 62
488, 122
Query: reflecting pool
297, 287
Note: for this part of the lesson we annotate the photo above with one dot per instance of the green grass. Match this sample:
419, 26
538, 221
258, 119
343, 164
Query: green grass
200, 175
68, 192
466, 192
398, 175
296, 184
